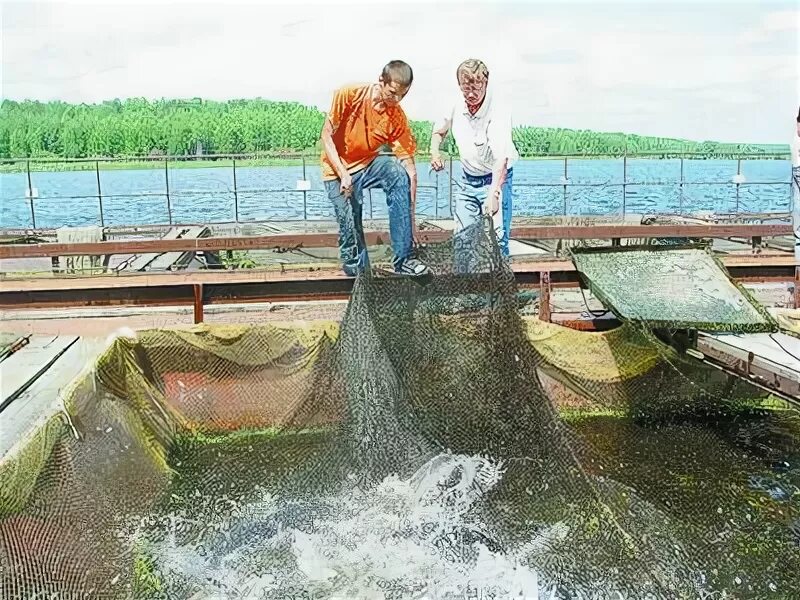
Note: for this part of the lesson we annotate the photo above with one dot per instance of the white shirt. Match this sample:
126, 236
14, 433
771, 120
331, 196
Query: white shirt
795, 145
481, 138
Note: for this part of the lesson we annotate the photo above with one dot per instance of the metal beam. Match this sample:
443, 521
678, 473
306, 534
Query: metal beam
376, 238
169, 289
746, 267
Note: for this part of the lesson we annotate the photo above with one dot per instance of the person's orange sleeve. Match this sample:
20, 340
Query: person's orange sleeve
341, 101
404, 145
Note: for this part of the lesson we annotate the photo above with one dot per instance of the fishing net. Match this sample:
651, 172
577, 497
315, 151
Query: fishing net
433, 444
708, 299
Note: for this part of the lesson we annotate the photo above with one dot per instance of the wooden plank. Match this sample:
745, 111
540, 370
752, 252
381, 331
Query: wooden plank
22, 368
330, 240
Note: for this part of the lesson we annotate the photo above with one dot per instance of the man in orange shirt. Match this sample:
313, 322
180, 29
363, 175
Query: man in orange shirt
362, 119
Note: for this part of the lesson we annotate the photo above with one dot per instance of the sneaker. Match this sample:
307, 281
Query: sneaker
412, 266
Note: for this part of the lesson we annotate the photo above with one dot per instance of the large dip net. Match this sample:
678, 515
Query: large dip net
433, 444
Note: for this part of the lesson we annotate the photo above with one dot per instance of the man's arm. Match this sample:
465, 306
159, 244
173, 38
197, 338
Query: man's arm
437, 137
330, 148
339, 107
500, 136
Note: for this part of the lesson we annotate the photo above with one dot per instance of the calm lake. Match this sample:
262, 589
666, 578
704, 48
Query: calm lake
206, 195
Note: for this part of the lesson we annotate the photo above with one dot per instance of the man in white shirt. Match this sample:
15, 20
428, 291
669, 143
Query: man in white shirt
795, 146
481, 125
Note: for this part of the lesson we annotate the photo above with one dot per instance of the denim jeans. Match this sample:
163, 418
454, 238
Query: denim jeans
796, 211
468, 210
387, 173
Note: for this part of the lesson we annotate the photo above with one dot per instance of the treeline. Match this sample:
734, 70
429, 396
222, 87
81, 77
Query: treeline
138, 127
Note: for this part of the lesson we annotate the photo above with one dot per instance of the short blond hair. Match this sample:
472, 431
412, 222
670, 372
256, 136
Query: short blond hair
473, 68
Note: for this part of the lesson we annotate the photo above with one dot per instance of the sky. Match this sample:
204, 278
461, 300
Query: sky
724, 71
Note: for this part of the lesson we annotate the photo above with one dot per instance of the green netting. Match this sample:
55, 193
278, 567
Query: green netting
434, 444
670, 286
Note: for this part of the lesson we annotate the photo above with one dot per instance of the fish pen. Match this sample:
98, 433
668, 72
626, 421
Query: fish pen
433, 443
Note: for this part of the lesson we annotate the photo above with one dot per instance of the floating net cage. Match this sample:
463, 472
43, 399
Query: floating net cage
435, 443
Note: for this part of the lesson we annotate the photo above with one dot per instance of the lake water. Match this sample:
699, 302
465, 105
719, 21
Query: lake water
269, 193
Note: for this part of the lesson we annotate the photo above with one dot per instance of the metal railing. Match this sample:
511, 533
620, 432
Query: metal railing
738, 181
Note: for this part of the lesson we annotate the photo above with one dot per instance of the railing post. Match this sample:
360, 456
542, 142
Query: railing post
565, 186
30, 196
624, 182
305, 194
99, 192
166, 181
235, 193
680, 198
738, 173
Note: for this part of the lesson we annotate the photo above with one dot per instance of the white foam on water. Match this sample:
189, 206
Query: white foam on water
413, 538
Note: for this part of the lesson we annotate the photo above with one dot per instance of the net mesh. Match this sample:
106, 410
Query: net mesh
709, 300
434, 443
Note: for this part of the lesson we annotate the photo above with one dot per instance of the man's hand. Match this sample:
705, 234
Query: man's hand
437, 164
493, 201
346, 184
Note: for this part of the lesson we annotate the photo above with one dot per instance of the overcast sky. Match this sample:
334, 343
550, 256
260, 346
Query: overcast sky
726, 71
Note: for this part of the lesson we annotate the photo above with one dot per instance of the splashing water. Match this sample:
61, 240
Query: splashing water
420, 538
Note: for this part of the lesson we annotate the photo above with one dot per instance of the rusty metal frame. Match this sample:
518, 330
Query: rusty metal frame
200, 288
330, 240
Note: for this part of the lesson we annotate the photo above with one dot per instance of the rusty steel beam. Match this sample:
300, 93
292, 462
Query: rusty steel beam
544, 296
169, 289
198, 303
744, 267
377, 238
796, 292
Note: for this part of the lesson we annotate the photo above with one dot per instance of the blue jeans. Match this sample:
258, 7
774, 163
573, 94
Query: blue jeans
387, 173
469, 202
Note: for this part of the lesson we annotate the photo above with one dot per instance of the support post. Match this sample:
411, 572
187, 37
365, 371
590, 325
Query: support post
235, 193
166, 182
544, 295
198, 303
305, 194
624, 184
738, 172
797, 287
565, 186
30, 195
99, 192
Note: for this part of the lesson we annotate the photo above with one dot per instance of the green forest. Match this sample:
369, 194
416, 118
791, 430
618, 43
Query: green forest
138, 127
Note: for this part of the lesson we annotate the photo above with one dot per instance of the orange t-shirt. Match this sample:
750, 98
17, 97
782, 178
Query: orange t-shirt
359, 130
